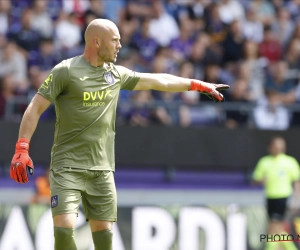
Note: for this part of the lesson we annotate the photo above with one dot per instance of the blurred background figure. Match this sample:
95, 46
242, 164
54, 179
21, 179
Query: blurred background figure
24, 35
278, 173
265, 11
231, 10
279, 81
13, 63
239, 93
68, 34
5, 16
270, 114
252, 27
270, 47
41, 20
283, 26
190, 113
162, 23
42, 189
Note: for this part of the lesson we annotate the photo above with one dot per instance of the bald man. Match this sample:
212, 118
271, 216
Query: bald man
85, 91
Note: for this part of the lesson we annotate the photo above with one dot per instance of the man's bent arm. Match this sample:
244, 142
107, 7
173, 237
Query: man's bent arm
162, 82
32, 115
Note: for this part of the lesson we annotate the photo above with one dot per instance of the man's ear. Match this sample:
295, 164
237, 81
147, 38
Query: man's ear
96, 41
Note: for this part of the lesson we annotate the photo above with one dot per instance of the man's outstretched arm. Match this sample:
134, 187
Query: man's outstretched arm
21, 159
171, 83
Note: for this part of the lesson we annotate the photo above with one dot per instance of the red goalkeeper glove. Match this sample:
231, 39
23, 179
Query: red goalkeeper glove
209, 89
21, 162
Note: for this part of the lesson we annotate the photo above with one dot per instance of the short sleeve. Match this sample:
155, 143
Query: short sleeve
129, 79
258, 174
295, 170
55, 83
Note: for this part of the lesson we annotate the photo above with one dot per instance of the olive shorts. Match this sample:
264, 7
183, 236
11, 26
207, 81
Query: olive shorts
96, 189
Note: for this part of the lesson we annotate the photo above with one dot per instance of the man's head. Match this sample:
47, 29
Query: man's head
103, 38
277, 146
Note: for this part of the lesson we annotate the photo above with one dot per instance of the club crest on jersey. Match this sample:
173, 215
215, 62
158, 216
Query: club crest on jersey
54, 201
109, 78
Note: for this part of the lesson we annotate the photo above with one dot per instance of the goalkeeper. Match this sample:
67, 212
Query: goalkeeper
85, 91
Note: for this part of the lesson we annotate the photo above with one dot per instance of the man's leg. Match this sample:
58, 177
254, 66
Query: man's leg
102, 234
100, 206
64, 225
66, 185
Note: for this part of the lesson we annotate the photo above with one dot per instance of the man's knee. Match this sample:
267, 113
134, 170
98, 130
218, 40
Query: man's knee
103, 239
64, 238
65, 220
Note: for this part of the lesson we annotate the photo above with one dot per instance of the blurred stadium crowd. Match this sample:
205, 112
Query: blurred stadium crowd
254, 46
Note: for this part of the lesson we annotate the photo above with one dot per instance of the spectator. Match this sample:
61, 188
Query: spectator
198, 57
53, 8
277, 80
252, 27
269, 113
41, 20
162, 23
68, 34
5, 7
233, 43
139, 9
166, 115
13, 63
25, 36
296, 32
292, 58
214, 25
140, 114
16, 10
213, 51
183, 10
270, 47
95, 10
77, 8
293, 7
231, 10
252, 69
214, 73
239, 93
163, 62
48, 56
265, 11
146, 46
7, 94
114, 10
182, 45
190, 113
127, 29
96, 7
278, 173
283, 27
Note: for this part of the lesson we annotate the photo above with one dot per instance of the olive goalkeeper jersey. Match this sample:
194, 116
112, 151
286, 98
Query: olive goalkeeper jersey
85, 99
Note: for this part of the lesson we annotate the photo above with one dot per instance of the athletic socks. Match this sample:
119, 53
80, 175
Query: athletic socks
64, 239
103, 240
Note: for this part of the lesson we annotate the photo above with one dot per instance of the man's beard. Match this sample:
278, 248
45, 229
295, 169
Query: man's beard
104, 56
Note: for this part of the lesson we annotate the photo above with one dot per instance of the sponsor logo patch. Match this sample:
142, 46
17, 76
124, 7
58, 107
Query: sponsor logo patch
54, 201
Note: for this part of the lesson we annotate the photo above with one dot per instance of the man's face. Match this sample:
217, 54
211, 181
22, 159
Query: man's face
110, 46
277, 147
